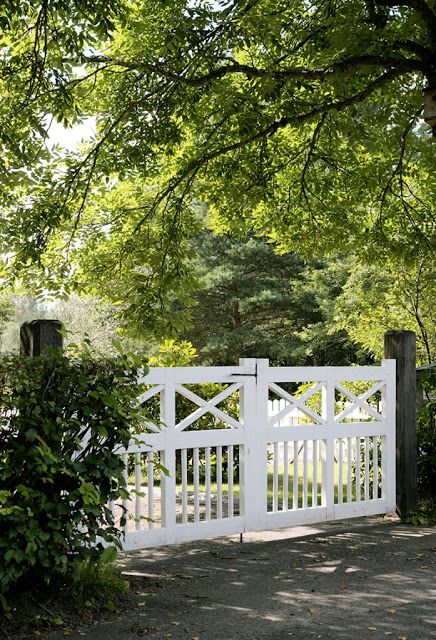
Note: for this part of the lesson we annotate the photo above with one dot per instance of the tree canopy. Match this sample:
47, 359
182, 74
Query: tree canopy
301, 122
255, 303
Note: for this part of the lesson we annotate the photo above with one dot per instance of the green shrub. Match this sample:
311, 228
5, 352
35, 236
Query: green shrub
61, 417
427, 437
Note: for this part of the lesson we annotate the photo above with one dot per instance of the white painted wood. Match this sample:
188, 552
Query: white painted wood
196, 485
358, 509
388, 404
349, 469
329, 417
168, 458
358, 469
276, 477
322, 432
184, 459
340, 470
299, 403
285, 500
150, 393
207, 482
230, 473
295, 480
293, 518
125, 502
315, 458
375, 467
192, 375
150, 490
305, 476
254, 417
219, 482
316, 374
359, 402
138, 491
209, 529
366, 467
256, 431
207, 406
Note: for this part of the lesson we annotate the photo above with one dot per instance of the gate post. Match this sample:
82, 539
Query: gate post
38, 335
401, 346
253, 413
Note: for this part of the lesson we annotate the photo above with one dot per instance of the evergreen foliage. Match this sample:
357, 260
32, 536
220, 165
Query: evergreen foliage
256, 303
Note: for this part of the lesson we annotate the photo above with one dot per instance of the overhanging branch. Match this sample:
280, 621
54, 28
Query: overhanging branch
362, 62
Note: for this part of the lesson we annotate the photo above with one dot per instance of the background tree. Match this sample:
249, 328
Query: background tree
256, 303
375, 300
300, 123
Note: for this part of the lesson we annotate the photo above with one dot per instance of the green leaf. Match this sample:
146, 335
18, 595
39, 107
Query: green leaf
109, 555
110, 605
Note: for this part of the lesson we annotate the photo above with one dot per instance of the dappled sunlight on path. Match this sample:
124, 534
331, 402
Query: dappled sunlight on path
355, 579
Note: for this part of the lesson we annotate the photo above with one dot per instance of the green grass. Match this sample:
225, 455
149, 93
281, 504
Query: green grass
317, 502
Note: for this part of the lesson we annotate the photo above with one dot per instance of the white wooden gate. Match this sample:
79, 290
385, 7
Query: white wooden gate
233, 468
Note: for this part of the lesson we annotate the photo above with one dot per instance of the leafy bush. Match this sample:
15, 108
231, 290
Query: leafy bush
427, 437
61, 417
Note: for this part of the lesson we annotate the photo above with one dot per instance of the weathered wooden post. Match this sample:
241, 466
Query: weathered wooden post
401, 346
37, 335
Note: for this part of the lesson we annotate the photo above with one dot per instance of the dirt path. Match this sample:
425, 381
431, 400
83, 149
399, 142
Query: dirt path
358, 579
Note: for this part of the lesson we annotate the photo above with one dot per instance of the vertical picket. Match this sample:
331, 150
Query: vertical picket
138, 487
207, 473
285, 504
230, 472
276, 478
340, 471
295, 479
315, 473
366, 467
184, 454
349, 468
375, 467
150, 490
219, 482
305, 478
196, 485
328, 460
358, 469
125, 502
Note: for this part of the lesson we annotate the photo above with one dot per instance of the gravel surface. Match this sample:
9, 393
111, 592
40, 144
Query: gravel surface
367, 578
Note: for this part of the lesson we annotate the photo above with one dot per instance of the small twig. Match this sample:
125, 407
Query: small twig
50, 613
5, 633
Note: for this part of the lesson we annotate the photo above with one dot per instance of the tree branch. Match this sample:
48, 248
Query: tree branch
290, 73
196, 165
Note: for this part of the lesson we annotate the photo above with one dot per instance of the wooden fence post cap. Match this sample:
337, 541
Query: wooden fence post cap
37, 335
400, 332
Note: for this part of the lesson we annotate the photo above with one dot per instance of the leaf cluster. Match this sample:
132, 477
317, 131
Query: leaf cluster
427, 436
62, 418
300, 123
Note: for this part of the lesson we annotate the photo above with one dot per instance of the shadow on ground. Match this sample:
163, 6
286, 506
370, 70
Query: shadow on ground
366, 578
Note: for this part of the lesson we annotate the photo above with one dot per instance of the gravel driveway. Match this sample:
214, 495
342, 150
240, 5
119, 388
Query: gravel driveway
368, 578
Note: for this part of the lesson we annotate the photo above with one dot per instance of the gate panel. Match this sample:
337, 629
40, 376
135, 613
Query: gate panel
333, 463
232, 449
